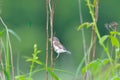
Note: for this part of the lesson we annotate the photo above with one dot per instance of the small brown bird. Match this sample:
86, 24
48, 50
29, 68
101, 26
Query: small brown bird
111, 26
58, 47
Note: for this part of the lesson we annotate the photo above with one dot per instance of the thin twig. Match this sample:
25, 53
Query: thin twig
97, 32
94, 34
50, 5
51, 30
1, 62
83, 34
47, 20
9, 43
1, 59
96, 10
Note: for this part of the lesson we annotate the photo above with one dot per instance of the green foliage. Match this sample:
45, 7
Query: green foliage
115, 33
101, 69
112, 37
96, 67
1, 33
94, 2
103, 38
22, 77
86, 24
7, 51
116, 78
53, 74
34, 60
114, 41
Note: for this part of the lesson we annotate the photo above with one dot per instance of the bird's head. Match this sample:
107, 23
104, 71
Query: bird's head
55, 39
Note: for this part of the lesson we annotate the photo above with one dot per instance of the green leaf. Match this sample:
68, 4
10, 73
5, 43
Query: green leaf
94, 3
38, 62
38, 51
84, 69
105, 61
1, 33
34, 60
29, 79
30, 60
35, 56
114, 41
13, 33
115, 78
53, 74
7, 75
117, 66
86, 24
20, 77
106, 50
114, 33
103, 38
94, 66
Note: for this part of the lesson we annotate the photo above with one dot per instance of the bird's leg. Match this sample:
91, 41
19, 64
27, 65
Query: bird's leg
57, 55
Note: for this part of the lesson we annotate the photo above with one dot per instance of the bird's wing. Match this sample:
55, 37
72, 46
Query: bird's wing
59, 45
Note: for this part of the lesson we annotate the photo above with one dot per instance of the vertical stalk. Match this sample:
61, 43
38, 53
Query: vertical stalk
1, 58
97, 32
47, 20
8, 51
83, 34
51, 30
94, 34
31, 70
7, 58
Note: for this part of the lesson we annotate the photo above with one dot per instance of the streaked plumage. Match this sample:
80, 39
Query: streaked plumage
58, 47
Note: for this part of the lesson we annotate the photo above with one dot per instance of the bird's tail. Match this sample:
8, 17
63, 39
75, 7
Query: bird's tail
68, 52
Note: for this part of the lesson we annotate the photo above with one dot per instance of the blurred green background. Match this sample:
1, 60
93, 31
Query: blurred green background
28, 19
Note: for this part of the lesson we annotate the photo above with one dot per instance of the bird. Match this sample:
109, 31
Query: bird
58, 47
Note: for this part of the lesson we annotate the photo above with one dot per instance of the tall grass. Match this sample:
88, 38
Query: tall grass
8, 55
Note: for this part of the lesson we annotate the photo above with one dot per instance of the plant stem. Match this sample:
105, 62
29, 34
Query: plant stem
51, 30
83, 36
97, 32
31, 70
94, 34
1, 61
47, 20
8, 48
